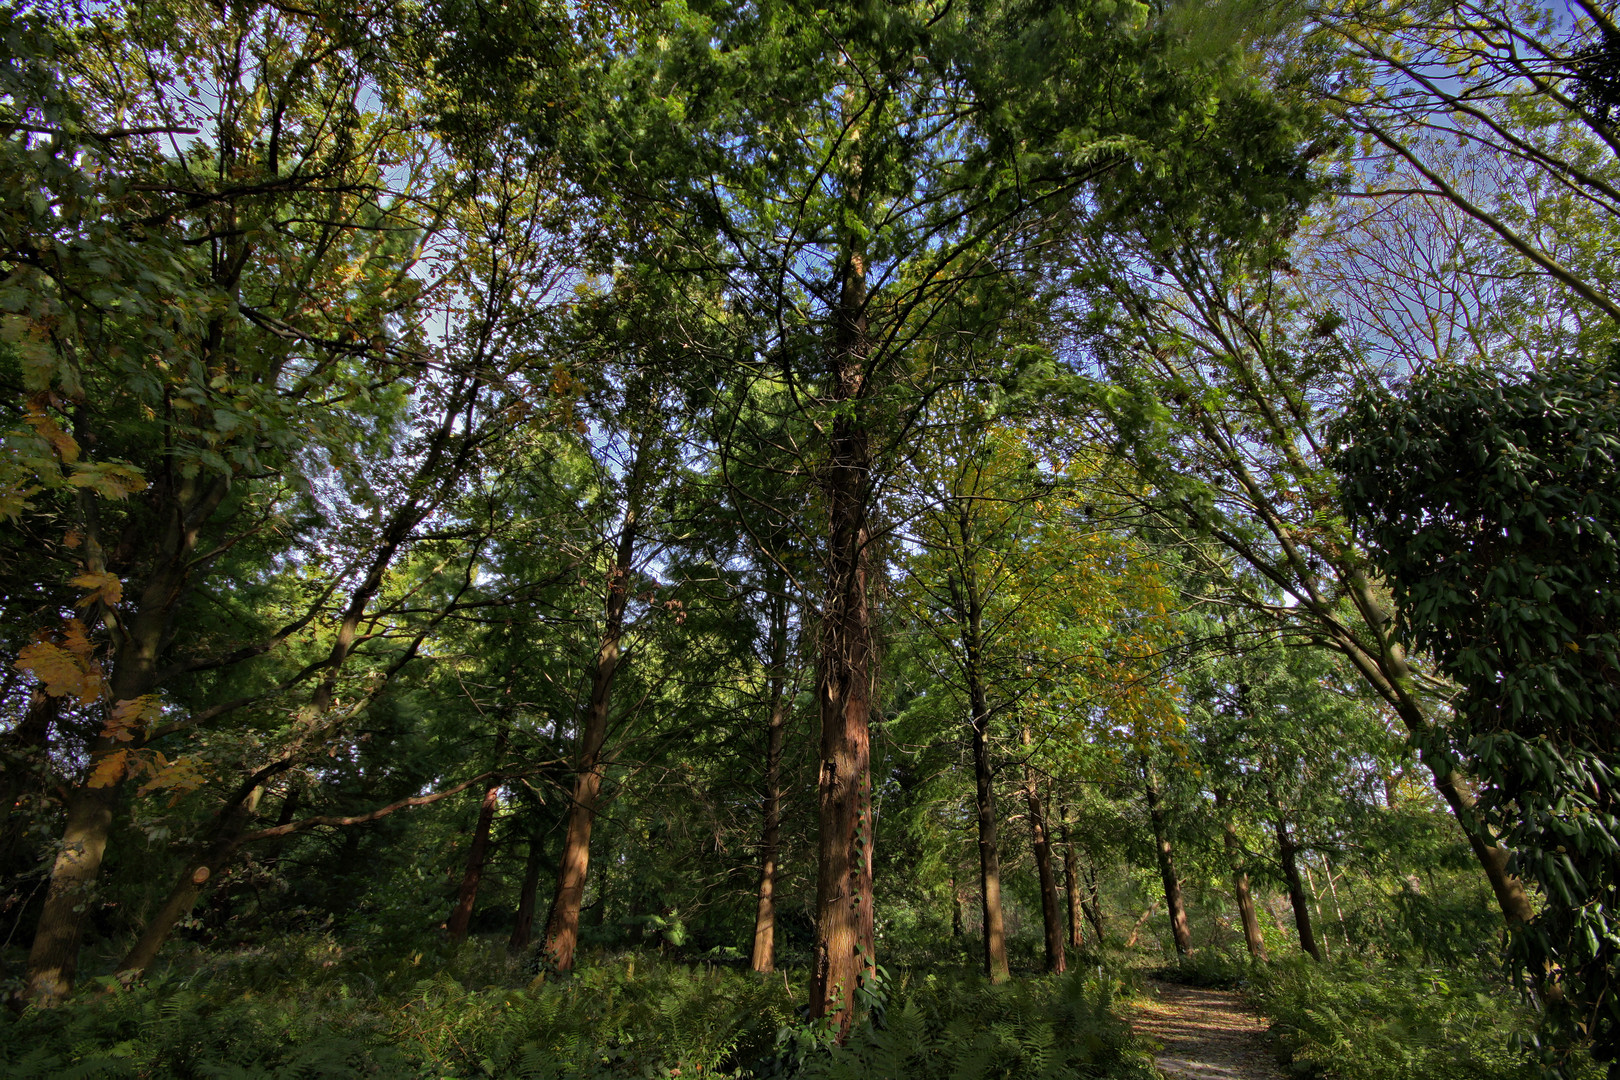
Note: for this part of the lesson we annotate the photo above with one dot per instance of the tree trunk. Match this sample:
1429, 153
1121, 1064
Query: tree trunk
1071, 886
1391, 676
764, 953
477, 854
1141, 921
956, 908
1092, 905
562, 925
1051, 919
1240, 882
995, 932
53, 960
1179, 929
523, 928
1288, 854
967, 601
190, 884
845, 952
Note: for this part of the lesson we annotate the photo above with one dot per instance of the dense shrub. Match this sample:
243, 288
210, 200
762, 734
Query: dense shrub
1350, 1020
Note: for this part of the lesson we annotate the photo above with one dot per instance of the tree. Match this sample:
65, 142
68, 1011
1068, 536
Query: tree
908, 153
1497, 537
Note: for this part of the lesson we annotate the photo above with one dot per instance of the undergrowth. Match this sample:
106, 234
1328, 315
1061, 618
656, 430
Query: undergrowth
310, 1009
1354, 1020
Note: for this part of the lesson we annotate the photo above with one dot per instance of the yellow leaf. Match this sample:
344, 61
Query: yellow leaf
61, 672
109, 769
178, 777
130, 715
104, 588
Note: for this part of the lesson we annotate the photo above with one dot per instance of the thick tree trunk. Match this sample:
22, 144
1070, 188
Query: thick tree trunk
477, 855
1179, 929
1051, 918
845, 952
1071, 887
562, 925
53, 959
523, 927
763, 958
1289, 856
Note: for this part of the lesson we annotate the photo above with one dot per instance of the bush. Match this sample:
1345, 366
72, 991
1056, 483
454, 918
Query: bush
1351, 1020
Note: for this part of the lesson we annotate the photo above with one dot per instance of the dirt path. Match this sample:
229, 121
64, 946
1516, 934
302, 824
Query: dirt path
1206, 1035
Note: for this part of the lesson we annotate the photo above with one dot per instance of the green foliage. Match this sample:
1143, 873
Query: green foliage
1351, 1020
964, 1027
310, 1008
1489, 500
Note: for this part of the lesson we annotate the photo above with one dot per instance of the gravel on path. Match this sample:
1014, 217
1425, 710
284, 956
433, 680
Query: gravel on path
1206, 1034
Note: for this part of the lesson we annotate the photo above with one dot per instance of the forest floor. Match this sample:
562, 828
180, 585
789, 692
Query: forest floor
1205, 1034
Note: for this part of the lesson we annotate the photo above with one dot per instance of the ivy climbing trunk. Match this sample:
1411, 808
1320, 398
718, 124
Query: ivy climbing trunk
845, 939
763, 958
1179, 929
1051, 918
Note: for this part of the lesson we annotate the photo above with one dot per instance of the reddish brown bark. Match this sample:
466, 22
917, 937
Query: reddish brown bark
845, 951
477, 855
1180, 931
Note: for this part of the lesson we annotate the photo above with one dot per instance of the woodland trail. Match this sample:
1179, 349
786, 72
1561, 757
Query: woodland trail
1206, 1034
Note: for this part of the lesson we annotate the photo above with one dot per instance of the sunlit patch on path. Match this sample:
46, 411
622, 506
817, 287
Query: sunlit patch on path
1205, 1035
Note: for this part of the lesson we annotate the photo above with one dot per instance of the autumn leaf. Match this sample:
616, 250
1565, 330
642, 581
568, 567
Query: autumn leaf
179, 777
130, 715
66, 447
54, 666
104, 588
63, 661
109, 769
